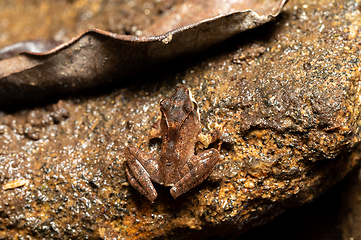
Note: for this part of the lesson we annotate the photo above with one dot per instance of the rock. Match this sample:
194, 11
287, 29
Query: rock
289, 92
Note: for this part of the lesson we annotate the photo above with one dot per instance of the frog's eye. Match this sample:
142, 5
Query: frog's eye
164, 105
189, 106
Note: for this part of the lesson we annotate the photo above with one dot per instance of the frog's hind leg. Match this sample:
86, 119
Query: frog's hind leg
135, 184
140, 168
199, 167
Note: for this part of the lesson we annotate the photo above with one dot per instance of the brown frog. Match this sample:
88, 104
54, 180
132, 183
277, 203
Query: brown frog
178, 167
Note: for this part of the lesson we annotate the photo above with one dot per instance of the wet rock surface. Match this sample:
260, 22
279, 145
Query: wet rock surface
289, 92
335, 215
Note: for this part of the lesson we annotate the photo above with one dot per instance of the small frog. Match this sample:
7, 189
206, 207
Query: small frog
180, 128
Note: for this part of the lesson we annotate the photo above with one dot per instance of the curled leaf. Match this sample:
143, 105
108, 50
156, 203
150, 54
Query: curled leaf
35, 46
97, 56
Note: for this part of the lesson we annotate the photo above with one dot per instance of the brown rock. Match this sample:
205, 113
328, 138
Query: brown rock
292, 106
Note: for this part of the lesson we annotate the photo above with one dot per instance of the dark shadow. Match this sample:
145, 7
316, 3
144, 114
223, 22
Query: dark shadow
317, 220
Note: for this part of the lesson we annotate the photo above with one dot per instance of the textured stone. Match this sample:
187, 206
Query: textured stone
289, 92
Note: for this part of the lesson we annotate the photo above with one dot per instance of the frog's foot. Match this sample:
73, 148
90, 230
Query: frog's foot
209, 138
213, 136
199, 168
140, 167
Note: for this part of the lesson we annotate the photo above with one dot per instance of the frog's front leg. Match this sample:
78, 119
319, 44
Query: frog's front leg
196, 169
141, 168
207, 139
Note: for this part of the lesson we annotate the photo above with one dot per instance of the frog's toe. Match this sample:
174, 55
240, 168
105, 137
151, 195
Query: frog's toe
174, 192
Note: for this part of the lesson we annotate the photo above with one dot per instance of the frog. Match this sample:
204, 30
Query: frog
178, 166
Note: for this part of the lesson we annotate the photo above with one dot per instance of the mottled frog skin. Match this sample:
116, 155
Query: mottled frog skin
178, 166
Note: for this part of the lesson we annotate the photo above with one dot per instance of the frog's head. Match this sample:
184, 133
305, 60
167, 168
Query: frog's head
177, 108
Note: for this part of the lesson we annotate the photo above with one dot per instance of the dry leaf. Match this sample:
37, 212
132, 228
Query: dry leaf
97, 57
